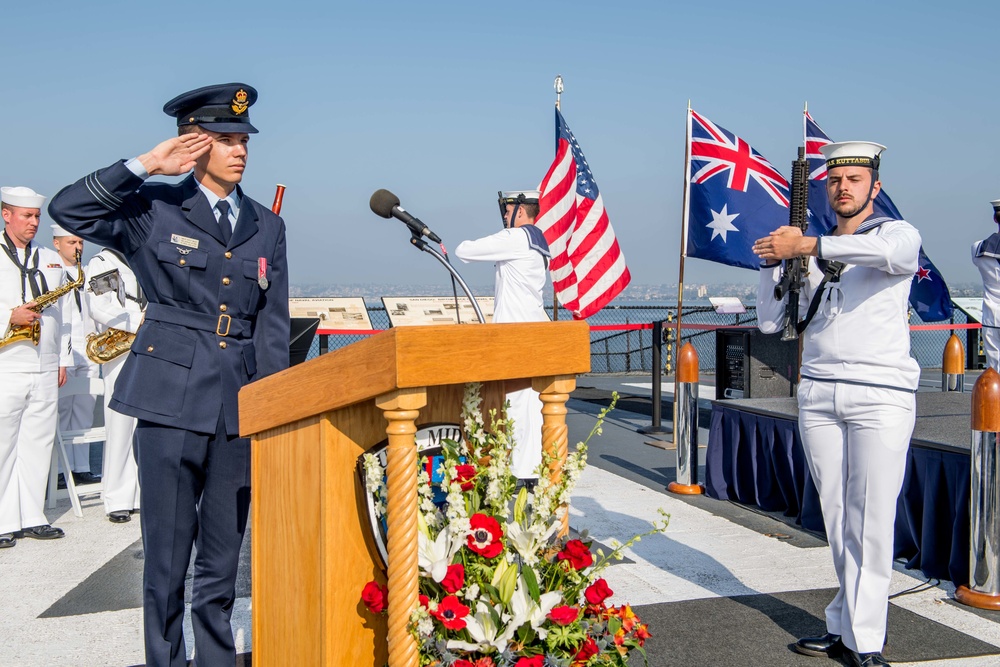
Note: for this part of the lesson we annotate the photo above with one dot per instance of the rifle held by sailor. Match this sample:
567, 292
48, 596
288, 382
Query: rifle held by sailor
791, 281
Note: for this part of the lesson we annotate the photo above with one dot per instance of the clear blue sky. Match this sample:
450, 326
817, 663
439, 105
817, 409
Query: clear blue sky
444, 103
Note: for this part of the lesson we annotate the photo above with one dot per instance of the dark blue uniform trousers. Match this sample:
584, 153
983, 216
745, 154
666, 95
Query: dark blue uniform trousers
195, 491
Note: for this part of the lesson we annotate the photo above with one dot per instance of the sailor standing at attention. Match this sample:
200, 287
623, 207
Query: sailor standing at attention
30, 373
986, 257
211, 262
76, 411
857, 401
522, 256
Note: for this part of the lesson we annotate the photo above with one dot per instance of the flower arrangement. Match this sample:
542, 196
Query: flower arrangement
498, 586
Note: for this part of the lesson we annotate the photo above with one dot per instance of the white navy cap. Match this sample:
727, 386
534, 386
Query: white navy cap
520, 196
995, 204
58, 231
21, 196
852, 154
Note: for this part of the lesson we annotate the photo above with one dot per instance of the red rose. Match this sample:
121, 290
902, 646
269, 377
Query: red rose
533, 661
451, 613
485, 536
587, 651
598, 592
465, 474
564, 614
577, 553
375, 597
454, 579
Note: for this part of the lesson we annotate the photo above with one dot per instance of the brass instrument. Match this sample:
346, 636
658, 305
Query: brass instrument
33, 332
103, 347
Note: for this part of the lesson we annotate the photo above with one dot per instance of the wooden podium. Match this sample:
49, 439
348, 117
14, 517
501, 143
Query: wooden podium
311, 545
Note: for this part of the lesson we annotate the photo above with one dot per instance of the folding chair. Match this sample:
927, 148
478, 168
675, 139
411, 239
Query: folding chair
74, 386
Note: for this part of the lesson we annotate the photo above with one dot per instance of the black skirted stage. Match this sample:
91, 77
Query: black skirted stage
755, 457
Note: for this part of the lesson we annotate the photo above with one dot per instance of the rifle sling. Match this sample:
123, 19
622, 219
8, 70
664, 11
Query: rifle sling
831, 274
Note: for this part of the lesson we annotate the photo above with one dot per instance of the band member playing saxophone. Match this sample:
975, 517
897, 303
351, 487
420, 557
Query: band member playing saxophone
116, 304
31, 369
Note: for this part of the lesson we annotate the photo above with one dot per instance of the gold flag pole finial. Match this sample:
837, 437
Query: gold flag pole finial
558, 85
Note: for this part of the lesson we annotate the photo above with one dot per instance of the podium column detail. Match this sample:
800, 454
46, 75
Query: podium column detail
401, 409
554, 391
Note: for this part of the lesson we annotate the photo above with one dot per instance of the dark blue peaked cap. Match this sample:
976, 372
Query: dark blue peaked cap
224, 107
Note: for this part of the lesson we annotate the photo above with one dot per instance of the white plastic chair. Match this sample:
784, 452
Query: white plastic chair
74, 386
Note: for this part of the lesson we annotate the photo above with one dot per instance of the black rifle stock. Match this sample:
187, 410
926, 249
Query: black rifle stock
791, 281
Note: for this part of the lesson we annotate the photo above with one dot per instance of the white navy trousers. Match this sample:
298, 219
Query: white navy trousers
121, 476
856, 439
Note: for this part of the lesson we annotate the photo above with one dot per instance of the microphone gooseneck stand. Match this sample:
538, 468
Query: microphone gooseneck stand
423, 245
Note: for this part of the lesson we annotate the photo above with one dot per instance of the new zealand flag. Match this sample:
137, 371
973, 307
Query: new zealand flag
929, 295
735, 196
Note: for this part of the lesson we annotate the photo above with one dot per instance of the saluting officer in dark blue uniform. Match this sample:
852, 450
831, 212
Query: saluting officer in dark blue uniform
211, 262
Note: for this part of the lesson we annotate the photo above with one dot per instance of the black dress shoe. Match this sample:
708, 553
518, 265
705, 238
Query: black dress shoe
45, 532
827, 646
855, 659
85, 478
7, 541
120, 516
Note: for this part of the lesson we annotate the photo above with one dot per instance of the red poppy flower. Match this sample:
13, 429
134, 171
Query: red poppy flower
451, 613
375, 597
465, 474
454, 579
564, 614
598, 592
533, 661
577, 553
485, 536
424, 601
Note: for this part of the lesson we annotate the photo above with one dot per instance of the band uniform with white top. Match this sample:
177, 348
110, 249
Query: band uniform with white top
986, 257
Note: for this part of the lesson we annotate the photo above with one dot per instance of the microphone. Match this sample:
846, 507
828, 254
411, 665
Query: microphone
385, 204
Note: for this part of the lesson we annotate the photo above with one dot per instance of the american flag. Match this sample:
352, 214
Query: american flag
929, 294
734, 195
588, 268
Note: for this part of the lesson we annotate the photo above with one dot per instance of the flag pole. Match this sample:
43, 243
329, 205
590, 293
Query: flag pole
683, 254
558, 85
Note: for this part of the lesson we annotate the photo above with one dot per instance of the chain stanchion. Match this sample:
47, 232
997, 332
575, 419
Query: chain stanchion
983, 591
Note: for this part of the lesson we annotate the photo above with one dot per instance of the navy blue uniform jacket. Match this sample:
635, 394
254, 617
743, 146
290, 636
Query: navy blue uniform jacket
209, 328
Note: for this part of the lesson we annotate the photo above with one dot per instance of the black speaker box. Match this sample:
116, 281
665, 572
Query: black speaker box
750, 364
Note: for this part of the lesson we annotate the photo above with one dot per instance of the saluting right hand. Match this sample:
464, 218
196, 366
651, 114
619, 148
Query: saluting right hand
177, 155
23, 315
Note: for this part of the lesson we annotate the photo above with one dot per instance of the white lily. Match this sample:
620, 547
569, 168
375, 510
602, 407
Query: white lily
434, 556
527, 541
484, 631
527, 610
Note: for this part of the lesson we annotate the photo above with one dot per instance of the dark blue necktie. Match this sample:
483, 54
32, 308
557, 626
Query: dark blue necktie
224, 225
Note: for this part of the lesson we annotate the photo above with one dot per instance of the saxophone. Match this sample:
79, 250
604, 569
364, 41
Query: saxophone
33, 332
103, 347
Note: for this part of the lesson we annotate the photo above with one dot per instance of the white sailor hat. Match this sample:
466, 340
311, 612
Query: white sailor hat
852, 154
520, 196
21, 196
995, 204
58, 231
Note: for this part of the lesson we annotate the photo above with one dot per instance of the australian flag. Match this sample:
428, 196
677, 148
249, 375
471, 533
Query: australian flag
929, 295
735, 196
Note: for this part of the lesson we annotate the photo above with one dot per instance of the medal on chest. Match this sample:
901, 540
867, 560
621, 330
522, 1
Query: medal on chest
262, 272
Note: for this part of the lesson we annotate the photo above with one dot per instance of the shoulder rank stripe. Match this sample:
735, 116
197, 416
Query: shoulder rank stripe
109, 200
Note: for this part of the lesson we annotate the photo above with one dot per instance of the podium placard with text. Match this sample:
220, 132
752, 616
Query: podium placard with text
333, 312
424, 310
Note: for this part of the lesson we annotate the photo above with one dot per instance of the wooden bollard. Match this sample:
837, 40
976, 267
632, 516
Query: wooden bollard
953, 365
983, 590
686, 428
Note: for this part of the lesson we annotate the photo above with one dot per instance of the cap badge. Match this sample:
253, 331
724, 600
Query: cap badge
240, 102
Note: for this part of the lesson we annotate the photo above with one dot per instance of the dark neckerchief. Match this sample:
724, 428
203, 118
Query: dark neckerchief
537, 242
989, 247
30, 275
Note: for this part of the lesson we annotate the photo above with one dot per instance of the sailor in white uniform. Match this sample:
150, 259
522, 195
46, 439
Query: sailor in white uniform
30, 374
115, 301
76, 411
856, 398
521, 256
986, 257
